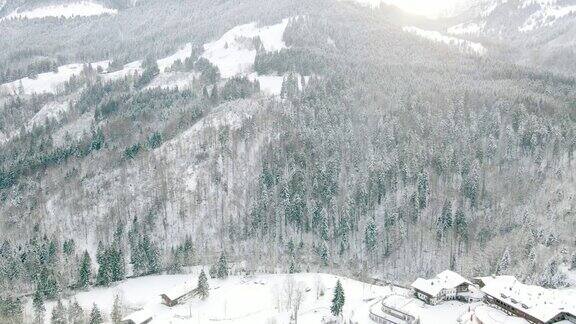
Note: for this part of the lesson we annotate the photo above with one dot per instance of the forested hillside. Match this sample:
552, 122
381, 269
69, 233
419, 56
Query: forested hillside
392, 157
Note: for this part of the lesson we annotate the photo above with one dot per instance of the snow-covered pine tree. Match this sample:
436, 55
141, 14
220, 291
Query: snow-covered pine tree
75, 313
85, 271
461, 225
39, 309
116, 314
504, 263
338, 299
95, 315
203, 286
444, 222
59, 313
213, 272
370, 237
11, 310
222, 267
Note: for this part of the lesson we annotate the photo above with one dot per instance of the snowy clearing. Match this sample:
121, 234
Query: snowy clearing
234, 53
463, 45
181, 55
69, 10
49, 81
227, 301
269, 297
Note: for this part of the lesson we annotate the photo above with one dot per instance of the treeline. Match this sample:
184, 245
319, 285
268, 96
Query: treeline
31, 71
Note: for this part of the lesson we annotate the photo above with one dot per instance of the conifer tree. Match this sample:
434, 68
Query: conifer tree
370, 237
95, 316
75, 313
444, 222
39, 309
10, 310
116, 315
85, 271
213, 272
222, 268
203, 286
461, 225
504, 263
338, 300
59, 313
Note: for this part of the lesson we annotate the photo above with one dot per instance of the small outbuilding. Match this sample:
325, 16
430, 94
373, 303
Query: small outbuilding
178, 295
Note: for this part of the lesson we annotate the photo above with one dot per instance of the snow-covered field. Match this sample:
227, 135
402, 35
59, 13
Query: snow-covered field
270, 298
68, 10
234, 52
238, 299
49, 81
257, 299
462, 44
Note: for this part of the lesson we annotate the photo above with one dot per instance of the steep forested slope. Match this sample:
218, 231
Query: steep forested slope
397, 157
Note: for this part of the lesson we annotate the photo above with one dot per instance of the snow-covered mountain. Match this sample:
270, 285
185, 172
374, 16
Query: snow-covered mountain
67, 10
325, 137
509, 17
538, 33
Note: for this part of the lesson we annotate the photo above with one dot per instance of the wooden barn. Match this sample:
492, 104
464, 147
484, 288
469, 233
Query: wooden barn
178, 295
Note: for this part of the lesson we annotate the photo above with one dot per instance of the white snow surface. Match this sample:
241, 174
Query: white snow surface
488, 315
238, 299
50, 81
462, 44
128, 69
234, 53
256, 299
181, 55
69, 10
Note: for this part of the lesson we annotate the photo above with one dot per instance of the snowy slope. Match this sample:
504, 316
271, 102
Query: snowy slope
51, 110
268, 296
49, 81
234, 52
462, 44
503, 16
546, 15
69, 10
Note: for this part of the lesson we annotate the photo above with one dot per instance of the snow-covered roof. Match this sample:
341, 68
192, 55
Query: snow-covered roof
179, 291
138, 317
489, 279
445, 280
487, 314
538, 302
